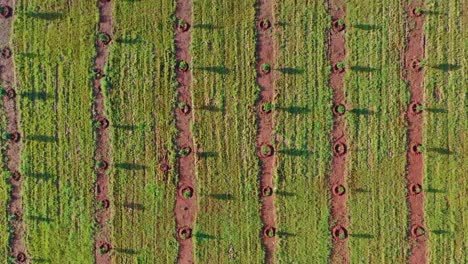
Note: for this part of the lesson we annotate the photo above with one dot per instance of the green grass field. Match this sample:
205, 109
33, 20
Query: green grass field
303, 127
53, 60
141, 98
445, 131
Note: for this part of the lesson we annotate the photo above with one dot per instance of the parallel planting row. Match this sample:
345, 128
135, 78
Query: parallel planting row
54, 50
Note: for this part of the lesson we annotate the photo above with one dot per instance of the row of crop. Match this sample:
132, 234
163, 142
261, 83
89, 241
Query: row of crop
224, 92
445, 130
54, 47
140, 99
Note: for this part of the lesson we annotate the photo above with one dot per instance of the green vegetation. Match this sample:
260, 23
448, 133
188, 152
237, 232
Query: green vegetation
376, 132
141, 102
445, 130
303, 127
224, 91
53, 58
266, 67
267, 107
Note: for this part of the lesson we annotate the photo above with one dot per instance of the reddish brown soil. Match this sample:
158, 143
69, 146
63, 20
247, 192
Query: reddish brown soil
102, 152
339, 213
415, 76
12, 152
185, 210
266, 53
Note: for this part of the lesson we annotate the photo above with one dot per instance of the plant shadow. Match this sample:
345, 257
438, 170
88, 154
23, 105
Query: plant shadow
288, 70
440, 232
361, 111
207, 154
441, 151
41, 176
204, 236
437, 110
363, 69
134, 206
295, 152
41, 260
283, 234
35, 95
447, 67
130, 166
364, 236
41, 219
125, 127
367, 27
294, 109
42, 138
214, 69
204, 26
130, 41
434, 190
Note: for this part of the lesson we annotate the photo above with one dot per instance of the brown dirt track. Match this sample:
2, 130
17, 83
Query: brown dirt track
185, 209
102, 152
414, 76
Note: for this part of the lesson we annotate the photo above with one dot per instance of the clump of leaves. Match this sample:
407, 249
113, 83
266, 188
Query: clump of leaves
341, 109
340, 65
181, 105
181, 22
265, 150
184, 152
187, 193
267, 107
420, 148
418, 11
183, 65
341, 22
266, 67
270, 233
6, 135
102, 37
101, 164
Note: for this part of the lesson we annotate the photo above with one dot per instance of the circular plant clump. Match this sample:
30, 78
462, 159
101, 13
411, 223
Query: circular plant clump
339, 190
418, 231
10, 93
21, 257
6, 53
16, 176
267, 191
183, 66
182, 25
339, 67
339, 110
185, 151
102, 122
104, 248
415, 188
264, 24
266, 151
269, 232
104, 38
266, 107
339, 25
339, 233
186, 192
340, 149
417, 149
105, 204
5, 11
15, 136
184, 108
416, 108
416, 65
164, 167
265, 68
99, 73
102, 165
184, 233
416, 11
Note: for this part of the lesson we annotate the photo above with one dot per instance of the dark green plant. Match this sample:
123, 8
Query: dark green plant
266, 67
181, 105
418, 11
183, 65
184, 152
267, 107
340, 65
6, 136
341, 22
265, 150
102, 37
341, 109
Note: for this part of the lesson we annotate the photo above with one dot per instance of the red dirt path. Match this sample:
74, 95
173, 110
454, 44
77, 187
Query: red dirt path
337, 53
266, 53
415, 51
8, 81
185, 209
103, 233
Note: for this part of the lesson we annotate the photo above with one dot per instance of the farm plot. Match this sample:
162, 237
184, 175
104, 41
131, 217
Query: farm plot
141, 94
54, 47
377, 99
303, 125
445, 131
224, 92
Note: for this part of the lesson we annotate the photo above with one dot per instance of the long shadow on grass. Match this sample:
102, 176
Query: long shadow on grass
127, 251
434, 12
222, 196
202, 236
41, 176
45, 15
205, 26
440, 232
434, 190
367, 27
285, 234
361, 111
208, 154
295, 152
361, 190
42, 138
289, 70
447, 67
40, 219
294, 109
437, 110
363, 69
440, 151
363, 236
214, 69
33, 96
125, 127
130, 166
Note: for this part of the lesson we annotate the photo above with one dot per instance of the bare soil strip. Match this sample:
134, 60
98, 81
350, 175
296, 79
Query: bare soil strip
185, 210
266, 58
414, 75
103, 244
12, 154
337, 182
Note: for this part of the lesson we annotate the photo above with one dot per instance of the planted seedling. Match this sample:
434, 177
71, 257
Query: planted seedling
11, 136
185, 233
3, 92
265, 24
267, 107
21, 257
265, 68
104, 38
340, 67
339, 109
185, 151
339, 190
266, 151
5, 11
340, 233
186, 192
416, 189
6, 53
183, 66
267, 191
339, 25
104, 248
418, 148
101, 165
417, 11
418, 231
182, 25
340, 149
